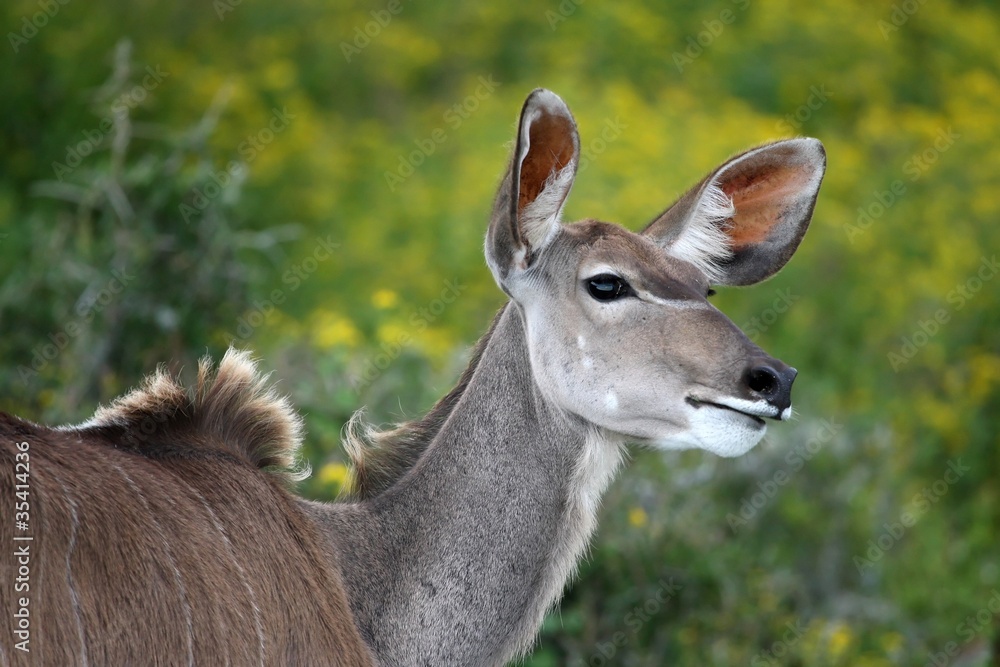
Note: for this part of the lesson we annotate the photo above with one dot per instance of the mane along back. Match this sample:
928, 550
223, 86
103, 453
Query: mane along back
232, 412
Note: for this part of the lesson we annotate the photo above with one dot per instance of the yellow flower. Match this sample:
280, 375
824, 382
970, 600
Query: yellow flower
332, 329
394, 334
840, 639
384, 298
637, 517
334, 473
985, 376
280, 74
435, 342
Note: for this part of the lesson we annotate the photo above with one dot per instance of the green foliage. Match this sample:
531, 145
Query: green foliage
313, 181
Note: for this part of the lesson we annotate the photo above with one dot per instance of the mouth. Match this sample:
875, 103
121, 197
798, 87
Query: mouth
756, 411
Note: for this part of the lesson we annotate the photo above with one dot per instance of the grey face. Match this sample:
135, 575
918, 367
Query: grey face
619, 328
622, 334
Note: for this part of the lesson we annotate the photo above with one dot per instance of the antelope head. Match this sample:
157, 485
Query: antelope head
619, 329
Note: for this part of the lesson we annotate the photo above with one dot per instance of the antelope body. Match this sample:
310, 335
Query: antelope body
162, 531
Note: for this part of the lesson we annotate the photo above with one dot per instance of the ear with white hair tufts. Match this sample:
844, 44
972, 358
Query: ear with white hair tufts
529, 205
743, 222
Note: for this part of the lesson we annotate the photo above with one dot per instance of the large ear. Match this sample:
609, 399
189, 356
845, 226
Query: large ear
530, 201
742, 223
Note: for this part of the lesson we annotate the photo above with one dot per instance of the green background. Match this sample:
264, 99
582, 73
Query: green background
216, 182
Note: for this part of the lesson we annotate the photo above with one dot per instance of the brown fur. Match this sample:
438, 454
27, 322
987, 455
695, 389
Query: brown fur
158, 539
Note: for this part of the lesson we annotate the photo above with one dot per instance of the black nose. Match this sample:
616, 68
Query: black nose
772, 381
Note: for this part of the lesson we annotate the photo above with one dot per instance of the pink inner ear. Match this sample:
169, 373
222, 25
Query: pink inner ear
550, 149
761, 197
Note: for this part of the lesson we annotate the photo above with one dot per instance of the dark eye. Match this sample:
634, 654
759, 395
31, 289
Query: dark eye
608, 287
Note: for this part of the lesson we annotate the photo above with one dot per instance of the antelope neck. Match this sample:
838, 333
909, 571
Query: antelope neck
478, 539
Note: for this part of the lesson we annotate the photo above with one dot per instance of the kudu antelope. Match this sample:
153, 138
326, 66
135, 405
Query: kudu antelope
162, 532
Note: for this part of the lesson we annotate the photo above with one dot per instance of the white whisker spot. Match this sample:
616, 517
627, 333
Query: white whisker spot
758, 408
588, 362
611, 401
581, 342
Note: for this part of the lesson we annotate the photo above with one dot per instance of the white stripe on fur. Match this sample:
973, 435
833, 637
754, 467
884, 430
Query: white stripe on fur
178, 579
74, 598
259, 626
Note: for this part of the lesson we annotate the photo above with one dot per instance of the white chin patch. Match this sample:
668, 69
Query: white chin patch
716, 430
